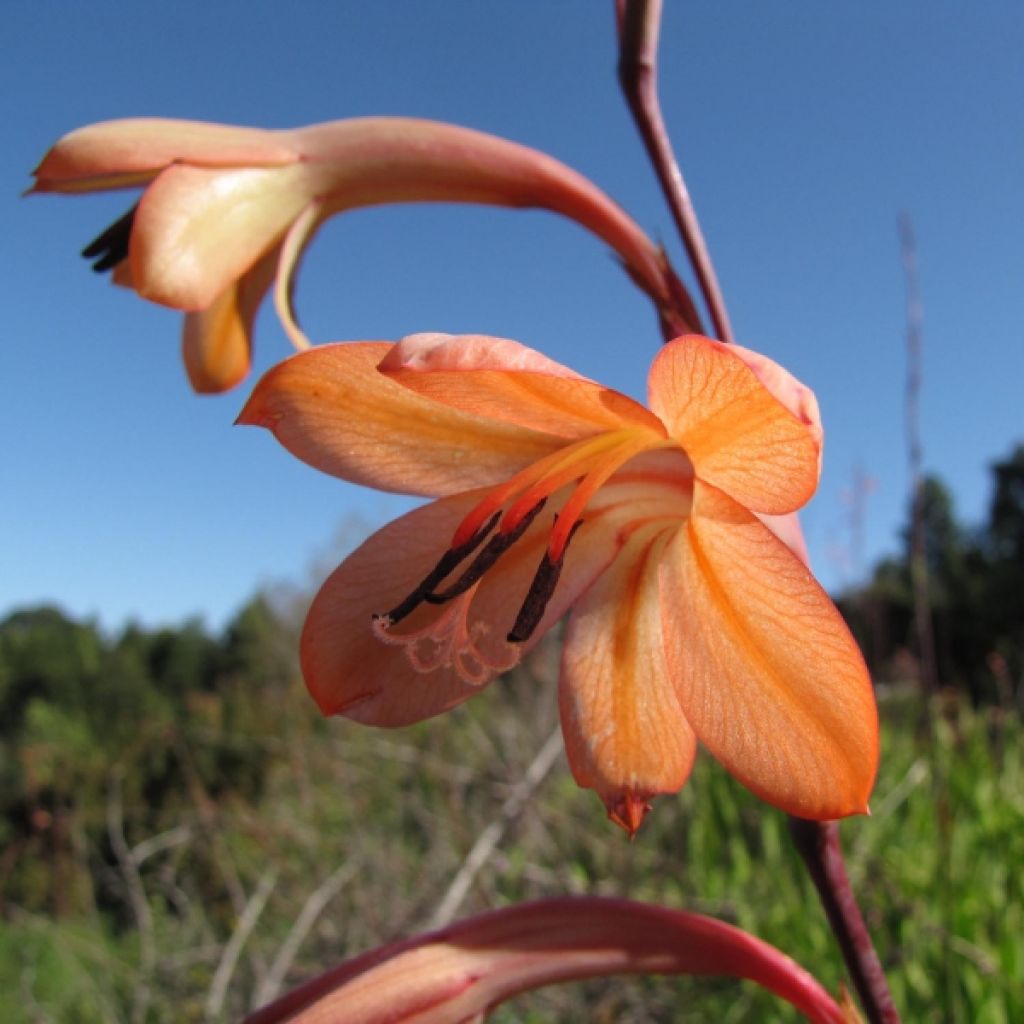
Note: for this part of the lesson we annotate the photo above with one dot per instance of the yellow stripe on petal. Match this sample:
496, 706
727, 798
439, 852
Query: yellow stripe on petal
766, 670
739, 436
330, 407
625, 734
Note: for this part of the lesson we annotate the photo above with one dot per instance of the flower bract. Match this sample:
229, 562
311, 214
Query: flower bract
461, 973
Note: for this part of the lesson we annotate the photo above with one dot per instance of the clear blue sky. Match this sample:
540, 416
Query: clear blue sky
803, 128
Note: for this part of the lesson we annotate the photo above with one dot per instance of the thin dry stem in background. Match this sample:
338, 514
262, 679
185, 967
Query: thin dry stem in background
233, 950
928, 671
487, 842
316, 902
136, 897
639, 25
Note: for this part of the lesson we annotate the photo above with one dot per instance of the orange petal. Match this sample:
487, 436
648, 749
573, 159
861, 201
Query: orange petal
197, 228
798, 398
625, 734
217, 342
788, 529
350, 671
131, 151
504, 380
766, 670
738, 435
461, 973
331, 408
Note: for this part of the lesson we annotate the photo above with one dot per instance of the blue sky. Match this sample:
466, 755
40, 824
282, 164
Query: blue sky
803, 129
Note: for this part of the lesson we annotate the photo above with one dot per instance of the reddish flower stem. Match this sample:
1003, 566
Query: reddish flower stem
639, 26
639, 23
818, 845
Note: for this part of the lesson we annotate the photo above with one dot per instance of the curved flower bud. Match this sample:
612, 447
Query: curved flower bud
228, 211
462, 972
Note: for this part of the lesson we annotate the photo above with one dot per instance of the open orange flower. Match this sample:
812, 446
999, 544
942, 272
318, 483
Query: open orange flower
227, 210
690, 618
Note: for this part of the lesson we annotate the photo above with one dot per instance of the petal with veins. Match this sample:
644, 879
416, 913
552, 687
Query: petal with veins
330, 407
508, 381
766, 670
738, 435
625, 734
347, 668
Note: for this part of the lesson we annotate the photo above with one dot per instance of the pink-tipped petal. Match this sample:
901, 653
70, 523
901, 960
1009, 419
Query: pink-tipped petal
331, 408
625, 734
766, 670
131, 151
739, 436
505, 380
461, 973
351, 671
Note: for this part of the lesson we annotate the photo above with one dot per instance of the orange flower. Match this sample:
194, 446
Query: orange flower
690, 618
226, 211
463, 972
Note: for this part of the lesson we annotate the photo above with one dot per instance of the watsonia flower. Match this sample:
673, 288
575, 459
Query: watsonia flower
227, 211
690, 618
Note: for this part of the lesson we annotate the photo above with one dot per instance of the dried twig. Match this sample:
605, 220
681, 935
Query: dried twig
929, 676
233, 950
136, 898
315, 903
488, 840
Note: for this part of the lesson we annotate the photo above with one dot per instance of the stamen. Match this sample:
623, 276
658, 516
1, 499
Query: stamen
495, 548
539, 478
447, 563
110, 247
449, 642
540, 593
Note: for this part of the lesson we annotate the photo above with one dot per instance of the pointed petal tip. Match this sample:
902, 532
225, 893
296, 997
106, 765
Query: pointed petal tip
628, 810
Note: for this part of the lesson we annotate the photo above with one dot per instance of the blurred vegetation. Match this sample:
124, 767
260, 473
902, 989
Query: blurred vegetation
976, 593
183, 837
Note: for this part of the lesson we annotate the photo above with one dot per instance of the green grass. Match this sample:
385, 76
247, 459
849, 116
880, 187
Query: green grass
937, 869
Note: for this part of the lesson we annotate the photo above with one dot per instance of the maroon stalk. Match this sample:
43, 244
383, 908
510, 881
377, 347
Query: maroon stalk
639, 23
639, 26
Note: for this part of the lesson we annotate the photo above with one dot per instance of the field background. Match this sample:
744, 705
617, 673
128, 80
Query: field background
189, 837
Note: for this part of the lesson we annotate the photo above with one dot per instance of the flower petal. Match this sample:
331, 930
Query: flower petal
198, 228
217, 342
625, 734
738, 435
350, 671
461, 973
331, 408
765, 668
131, 151
505, 380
